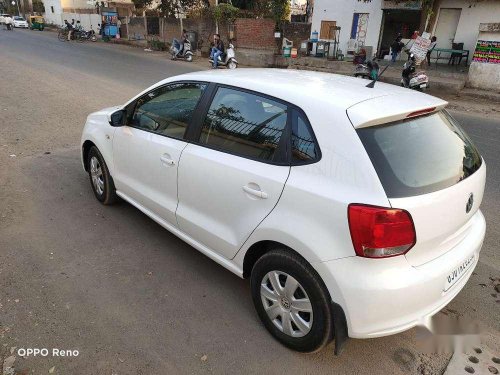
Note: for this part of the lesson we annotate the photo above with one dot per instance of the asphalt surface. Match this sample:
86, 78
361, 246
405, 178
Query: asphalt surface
112, 284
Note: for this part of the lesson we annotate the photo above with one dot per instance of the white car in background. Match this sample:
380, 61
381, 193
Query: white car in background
18, 21
353, 210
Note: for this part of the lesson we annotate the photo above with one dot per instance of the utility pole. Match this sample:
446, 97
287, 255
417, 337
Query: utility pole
14, 3
216, 22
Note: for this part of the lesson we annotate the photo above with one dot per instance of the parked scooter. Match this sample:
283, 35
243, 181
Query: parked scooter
185, 54
227, 59
411, 79
370, 70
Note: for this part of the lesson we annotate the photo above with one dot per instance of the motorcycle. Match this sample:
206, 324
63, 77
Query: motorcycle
411, 79
227, 59
370, 70
88, 35
185, 54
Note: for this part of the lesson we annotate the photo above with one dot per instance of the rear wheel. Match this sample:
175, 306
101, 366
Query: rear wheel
80, 37
291, 301
100, 179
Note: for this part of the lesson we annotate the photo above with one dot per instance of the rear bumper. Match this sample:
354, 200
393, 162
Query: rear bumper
382, 297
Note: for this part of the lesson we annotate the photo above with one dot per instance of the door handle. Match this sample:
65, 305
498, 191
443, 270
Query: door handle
165, 159
257, 193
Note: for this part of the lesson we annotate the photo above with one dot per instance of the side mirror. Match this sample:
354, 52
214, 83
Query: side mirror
118, 118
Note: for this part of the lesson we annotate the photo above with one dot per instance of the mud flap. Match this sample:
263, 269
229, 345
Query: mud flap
339, 328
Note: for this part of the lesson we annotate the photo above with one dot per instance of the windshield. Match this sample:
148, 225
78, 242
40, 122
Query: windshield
420, 155
19, 18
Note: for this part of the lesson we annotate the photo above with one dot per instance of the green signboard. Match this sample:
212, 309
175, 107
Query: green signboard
487, 52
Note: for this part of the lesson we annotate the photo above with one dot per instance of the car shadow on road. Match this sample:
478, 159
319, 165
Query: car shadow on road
129, 286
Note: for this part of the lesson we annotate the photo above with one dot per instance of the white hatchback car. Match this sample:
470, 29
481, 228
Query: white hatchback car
20, 22
353, 210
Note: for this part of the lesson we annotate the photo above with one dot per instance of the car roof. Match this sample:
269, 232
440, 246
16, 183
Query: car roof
299, 86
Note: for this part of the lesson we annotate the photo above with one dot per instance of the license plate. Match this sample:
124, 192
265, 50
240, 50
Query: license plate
458, 272
423, 85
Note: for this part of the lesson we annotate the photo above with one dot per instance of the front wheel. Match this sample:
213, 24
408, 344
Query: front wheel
62, 36
292, 301
189, 58
93, 38
100, 178
232, 65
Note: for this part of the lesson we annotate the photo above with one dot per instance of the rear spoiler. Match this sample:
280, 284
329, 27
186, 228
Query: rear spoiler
389, 108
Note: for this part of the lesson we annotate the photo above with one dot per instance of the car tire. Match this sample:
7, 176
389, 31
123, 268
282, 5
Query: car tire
100, 178
315, 329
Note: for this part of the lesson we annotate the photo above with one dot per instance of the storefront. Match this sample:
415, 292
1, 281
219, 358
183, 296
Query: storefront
399, 17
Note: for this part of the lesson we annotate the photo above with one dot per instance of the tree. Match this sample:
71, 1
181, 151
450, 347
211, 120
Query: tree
38, 6
280, 10
168, 8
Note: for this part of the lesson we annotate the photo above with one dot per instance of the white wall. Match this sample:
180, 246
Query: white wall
53, 18
342, 12
87, 20
468, 27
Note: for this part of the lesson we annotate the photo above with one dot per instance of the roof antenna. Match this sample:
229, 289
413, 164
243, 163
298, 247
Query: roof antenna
371, 85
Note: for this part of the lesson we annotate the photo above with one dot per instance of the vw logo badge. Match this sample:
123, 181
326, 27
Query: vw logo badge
470, 203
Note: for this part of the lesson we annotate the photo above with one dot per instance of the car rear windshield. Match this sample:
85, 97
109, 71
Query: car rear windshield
420, 155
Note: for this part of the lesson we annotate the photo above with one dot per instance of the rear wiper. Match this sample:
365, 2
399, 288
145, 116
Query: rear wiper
371, 85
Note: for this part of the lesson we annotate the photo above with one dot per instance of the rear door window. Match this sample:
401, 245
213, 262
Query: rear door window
245, 124
420, 155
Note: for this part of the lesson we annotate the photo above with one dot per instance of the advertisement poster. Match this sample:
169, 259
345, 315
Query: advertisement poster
487, 52
420, 48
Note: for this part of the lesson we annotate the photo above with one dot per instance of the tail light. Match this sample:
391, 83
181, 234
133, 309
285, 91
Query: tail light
379, 232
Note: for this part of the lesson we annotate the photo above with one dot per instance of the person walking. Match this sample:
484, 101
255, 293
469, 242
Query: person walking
396, 47
217, 50
431, 47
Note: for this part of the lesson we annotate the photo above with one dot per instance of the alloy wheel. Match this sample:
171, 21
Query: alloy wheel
286, 303
97, 175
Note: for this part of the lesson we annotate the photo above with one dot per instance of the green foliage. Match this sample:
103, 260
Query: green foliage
169, 8
224, 13
280, 10
38, 6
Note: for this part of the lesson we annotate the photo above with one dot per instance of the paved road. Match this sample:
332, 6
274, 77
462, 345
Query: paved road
109, 282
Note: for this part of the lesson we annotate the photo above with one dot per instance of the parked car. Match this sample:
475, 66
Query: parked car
2, 18
354, 211
18, 21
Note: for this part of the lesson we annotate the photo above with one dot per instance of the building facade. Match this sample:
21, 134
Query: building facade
376, 23
85, 11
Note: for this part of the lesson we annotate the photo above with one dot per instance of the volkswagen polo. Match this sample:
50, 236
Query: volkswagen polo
354, 211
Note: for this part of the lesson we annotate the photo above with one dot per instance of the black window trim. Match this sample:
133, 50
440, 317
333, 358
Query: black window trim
296, 112
284, 146
196, 113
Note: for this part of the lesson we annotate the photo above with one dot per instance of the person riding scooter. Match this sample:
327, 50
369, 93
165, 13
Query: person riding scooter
217, 50
8, 22
179, 44
408, 70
